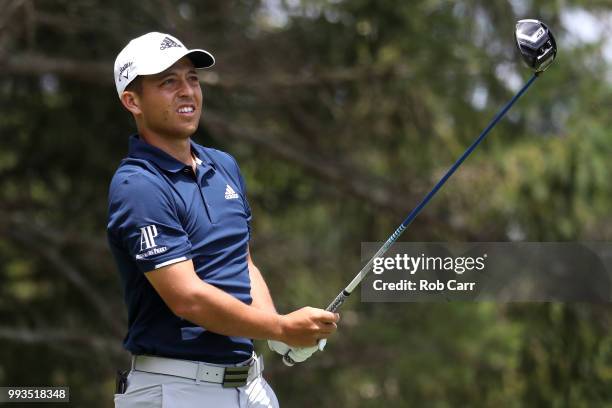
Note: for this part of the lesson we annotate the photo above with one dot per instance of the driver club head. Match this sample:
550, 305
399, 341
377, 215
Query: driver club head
536, 44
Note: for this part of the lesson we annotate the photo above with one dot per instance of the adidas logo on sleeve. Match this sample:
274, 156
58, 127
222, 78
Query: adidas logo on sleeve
230, 194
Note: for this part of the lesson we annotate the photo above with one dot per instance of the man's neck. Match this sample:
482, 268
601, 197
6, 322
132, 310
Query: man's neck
180, 149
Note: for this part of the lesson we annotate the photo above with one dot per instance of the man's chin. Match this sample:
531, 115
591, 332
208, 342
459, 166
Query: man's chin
189, 128
184, 132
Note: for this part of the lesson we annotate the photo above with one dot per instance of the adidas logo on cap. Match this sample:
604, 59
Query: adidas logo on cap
168, 43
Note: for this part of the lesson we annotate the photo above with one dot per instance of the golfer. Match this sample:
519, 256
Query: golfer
179, 230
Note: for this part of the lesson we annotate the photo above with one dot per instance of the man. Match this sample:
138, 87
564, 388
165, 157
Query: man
179, 227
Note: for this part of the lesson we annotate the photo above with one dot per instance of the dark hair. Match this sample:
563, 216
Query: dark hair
135, 86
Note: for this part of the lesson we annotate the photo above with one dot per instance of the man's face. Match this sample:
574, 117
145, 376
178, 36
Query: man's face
170, 103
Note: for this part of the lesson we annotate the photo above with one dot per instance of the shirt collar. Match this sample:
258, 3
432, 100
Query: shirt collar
140, 149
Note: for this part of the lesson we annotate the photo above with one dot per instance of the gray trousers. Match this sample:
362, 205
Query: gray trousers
165, 391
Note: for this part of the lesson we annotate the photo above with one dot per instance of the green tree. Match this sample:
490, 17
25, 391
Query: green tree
342, 114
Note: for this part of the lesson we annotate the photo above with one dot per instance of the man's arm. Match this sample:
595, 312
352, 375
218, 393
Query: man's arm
259, 290
207, 306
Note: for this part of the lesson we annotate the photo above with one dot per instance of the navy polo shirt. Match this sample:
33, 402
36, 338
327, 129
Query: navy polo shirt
161, 212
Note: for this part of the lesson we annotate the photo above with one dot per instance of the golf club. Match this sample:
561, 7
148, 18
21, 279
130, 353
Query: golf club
538, 49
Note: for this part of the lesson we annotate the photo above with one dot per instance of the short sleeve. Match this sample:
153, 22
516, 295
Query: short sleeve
144, 222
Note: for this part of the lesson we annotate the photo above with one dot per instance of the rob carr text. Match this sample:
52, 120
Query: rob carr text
423, 285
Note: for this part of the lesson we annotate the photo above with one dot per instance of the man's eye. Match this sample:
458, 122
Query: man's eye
168, 81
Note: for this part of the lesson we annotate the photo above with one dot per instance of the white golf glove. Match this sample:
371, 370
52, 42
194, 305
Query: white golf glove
279, 347
298, 354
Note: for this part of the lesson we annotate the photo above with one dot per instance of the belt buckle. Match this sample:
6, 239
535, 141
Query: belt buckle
235, 376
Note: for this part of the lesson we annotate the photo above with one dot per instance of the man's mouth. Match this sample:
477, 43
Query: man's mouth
186, 109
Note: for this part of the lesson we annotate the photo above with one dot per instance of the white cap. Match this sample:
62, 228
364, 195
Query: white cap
151, 54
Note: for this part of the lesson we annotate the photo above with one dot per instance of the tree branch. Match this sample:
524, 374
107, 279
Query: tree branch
47, 250
38, 64
9, 8
100, 73
46, 336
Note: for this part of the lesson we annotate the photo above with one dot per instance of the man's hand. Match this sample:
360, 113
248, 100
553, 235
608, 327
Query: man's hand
306, 326
304, 332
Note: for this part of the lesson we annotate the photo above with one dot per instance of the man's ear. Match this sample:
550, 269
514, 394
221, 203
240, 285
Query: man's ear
131, 102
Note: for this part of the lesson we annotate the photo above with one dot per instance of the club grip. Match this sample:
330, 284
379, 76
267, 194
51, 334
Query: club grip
333, 307
338, 301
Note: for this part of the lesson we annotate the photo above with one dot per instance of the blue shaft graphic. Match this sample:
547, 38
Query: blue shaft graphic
339, 300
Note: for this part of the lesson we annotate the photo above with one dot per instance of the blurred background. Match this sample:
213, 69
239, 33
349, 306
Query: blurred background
342, 114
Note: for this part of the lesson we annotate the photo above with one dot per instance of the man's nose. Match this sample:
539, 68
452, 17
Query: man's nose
186, 89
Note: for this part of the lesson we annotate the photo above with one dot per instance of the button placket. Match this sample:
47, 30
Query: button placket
200, 181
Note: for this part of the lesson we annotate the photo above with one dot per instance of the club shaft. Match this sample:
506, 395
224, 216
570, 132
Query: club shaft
339, 300
346, 292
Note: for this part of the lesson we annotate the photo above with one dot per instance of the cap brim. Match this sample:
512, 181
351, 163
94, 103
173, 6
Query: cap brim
201, 58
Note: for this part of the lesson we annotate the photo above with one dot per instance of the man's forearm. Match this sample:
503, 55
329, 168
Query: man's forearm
215, 310
221, 313
203, 304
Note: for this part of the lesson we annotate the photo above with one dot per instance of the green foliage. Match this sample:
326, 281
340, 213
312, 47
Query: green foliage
342, 114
